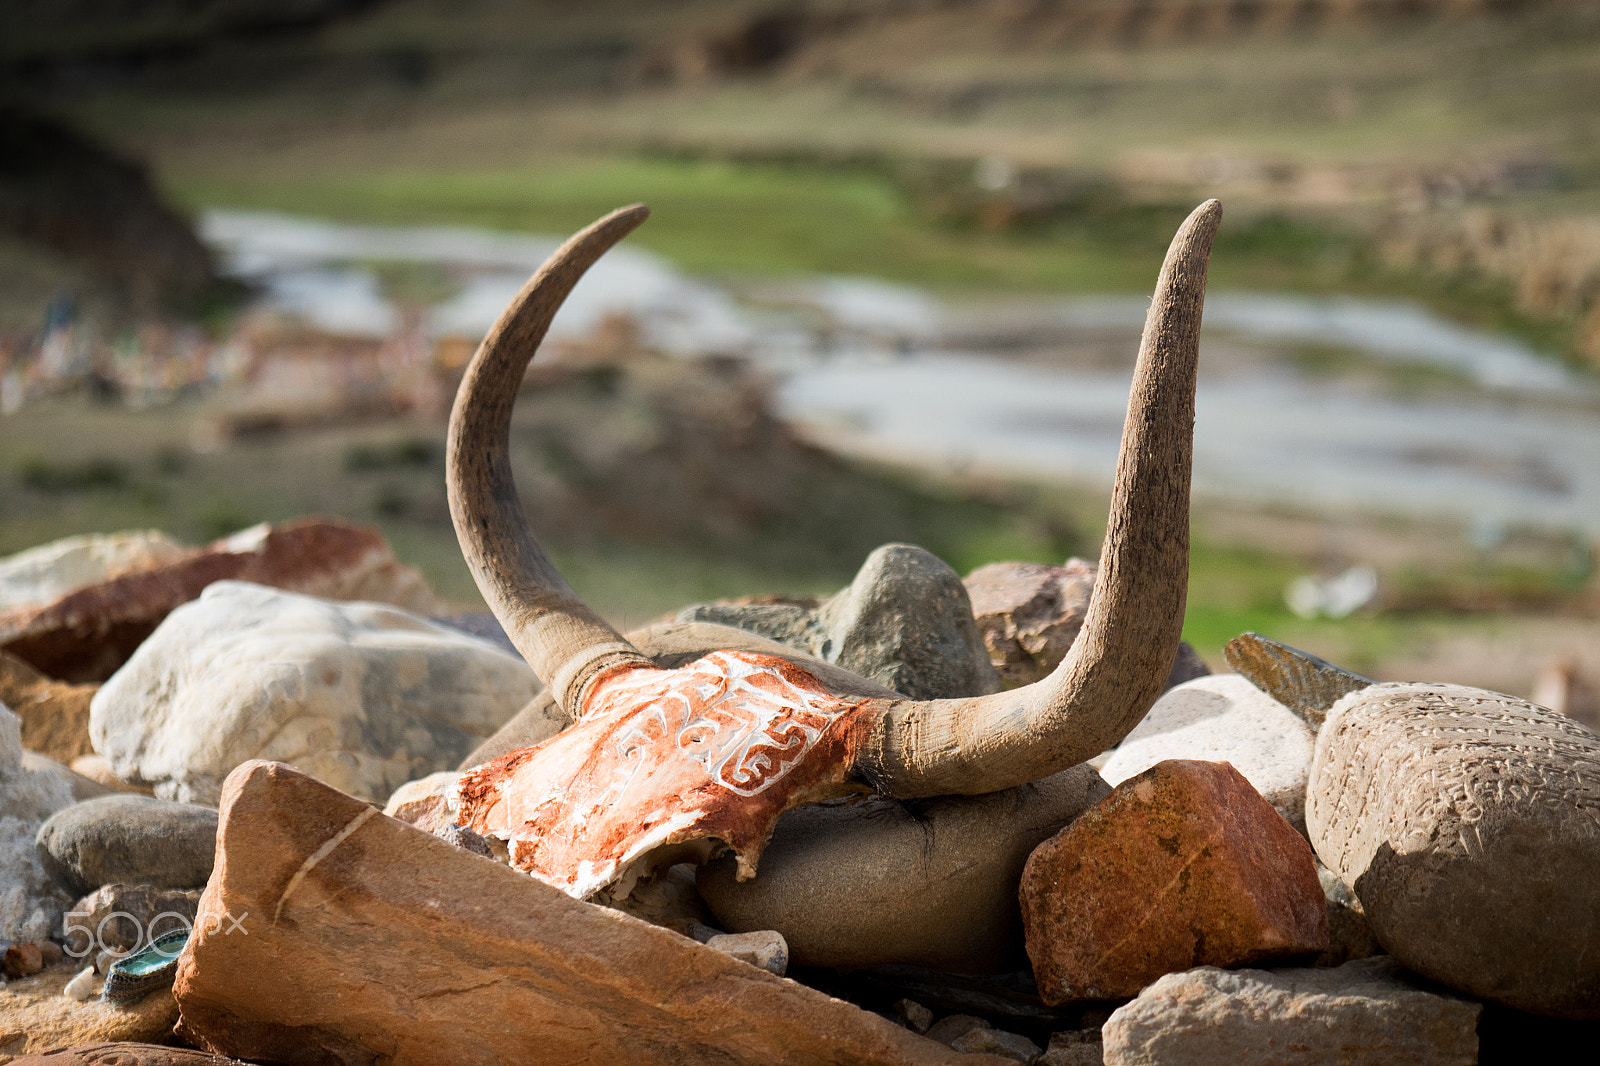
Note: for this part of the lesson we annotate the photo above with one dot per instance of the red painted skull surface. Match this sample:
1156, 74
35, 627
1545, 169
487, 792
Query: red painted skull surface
715, 750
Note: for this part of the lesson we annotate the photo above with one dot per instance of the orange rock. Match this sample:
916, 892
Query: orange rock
86, 634
330, 933
1184, 865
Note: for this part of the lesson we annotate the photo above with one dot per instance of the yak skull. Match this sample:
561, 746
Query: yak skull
661, 765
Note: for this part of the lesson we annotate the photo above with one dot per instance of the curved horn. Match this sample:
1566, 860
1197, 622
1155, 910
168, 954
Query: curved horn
1116, 668
565, 642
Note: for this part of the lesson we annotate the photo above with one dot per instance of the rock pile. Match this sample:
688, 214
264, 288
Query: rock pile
1105, 917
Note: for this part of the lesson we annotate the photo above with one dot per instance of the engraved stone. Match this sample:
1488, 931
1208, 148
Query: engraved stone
1305, 684
1468, 824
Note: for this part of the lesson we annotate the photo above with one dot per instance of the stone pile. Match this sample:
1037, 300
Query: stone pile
1110, 916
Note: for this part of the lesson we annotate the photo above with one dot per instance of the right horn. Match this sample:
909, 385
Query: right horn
1120, 661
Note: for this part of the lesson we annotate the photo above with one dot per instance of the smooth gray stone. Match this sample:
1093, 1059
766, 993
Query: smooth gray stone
905, 622
138, 840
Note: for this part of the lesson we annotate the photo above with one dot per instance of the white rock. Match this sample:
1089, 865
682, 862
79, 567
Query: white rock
31, 904
80, 987
765, 948
1224, 718
49, 571
1364, 1012
364, 696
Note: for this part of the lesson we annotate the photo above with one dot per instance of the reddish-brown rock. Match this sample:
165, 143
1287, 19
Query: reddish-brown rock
362, 939
1184, 865
1029, 614
125, 1054
88, 633
55, 714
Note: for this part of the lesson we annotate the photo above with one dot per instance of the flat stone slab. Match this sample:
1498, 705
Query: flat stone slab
398, 947
1364, 1013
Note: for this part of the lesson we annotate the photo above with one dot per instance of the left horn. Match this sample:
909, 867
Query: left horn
565, 642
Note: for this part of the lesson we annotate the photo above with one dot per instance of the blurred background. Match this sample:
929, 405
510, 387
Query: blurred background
891, 290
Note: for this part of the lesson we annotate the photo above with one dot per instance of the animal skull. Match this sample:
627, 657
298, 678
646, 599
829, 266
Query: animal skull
661, 765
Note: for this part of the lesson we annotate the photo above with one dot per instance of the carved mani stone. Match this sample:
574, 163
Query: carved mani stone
1468, 824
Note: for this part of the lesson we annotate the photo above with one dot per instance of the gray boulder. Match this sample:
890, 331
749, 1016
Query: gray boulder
134, 839
905, 622
30, 901
926, 882
1365, 1012
1468, 824
363, 696
124, 918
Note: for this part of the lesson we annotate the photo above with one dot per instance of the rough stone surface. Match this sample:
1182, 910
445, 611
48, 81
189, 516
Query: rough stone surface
30, 901
997, 1042
36, 1016
1183, 865
1307, 685
1361, 1013
400, 945
764, 948
137, 839
362, 695
123, 1053
905, 622
1030, 613
86, 634
1468, 824
22, 960
1224, 718
125, 918
927, 882
55, 714
953, 1027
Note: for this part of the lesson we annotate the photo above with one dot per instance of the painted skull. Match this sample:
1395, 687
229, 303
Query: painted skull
715, 750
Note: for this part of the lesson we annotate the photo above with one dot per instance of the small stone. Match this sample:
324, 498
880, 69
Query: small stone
1362, 1012
96, 769
125, 918
50, 952
81, 987
765, 949
912, 1015
948, 1029
364, 696
1183, 865
1466, 822
103, 961
23, 960
702, 932
130, 839
1224, 718
81, 787
997, 1042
